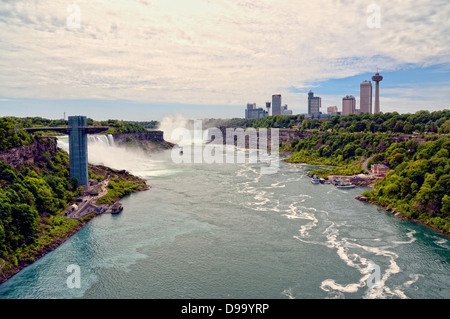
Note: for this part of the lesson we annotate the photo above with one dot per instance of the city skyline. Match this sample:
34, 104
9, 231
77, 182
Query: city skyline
147, 59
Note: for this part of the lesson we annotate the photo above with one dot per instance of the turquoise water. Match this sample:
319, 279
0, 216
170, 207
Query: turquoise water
226, 231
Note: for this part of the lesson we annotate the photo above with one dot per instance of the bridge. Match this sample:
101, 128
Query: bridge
66, 129
78, 152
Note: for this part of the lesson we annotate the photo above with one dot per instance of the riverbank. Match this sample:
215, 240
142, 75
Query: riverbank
364, 180
399, 215
56, 230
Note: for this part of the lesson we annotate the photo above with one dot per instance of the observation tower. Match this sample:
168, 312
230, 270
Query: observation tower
377, 78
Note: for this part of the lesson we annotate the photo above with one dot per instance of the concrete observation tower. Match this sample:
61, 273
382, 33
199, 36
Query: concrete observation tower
78, 150
377, 78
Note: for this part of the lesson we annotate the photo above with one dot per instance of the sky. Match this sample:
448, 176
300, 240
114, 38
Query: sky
147, 59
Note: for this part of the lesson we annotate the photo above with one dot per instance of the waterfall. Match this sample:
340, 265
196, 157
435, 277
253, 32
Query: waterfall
105, 139
102, 150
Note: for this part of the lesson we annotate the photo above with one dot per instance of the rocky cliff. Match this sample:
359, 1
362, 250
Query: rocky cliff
284, 135
150, 141
31, 153
152, 136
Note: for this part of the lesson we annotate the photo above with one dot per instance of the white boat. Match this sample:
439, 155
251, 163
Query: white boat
345, 185
315, 180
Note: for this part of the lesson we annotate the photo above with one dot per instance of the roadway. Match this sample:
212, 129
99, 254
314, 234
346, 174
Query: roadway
88, 205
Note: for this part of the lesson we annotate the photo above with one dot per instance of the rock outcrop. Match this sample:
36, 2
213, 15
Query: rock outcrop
151, 136
150, 141
31, 153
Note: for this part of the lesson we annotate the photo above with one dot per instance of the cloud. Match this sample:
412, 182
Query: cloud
208, 52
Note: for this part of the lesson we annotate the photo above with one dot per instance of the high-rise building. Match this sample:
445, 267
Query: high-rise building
285, 110
348, 105
377, 78
365, 97
276, 104
251, 106
314, 104
332, 110
254, 113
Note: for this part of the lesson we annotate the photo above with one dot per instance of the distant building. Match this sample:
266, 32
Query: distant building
332, 110
314, 104
285, 111
365, 97
348, 105
276, 104
268, 104
254, 113
379, 169
319, 116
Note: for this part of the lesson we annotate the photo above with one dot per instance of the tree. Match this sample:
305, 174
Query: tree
396, 160
74, 183
408, 128
406, 186
7, 173
446, 126
9, 137
398, 127
445, 205
349, 151
2, 241
27, 219
359, 151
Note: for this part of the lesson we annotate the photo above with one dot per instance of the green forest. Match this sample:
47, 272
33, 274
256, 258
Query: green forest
34, 197
30, 199
418, 185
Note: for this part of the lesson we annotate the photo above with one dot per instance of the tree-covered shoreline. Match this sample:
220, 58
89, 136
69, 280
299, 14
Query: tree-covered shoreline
417, 186
34, 196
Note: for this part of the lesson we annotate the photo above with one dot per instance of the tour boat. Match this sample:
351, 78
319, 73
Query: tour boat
345, 185
315, 180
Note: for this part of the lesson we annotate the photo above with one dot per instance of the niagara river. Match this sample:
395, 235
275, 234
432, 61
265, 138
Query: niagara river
228, 231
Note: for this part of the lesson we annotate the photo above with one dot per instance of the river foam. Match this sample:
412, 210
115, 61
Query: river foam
318, 228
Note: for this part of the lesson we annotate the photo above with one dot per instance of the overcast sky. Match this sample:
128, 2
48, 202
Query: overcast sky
143, 59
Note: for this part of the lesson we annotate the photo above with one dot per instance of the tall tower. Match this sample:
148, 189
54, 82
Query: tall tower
377, 78
268, 108
365, 97
78, 149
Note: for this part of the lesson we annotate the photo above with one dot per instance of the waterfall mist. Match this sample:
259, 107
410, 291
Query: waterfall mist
172, 122
102, 150
175, 128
